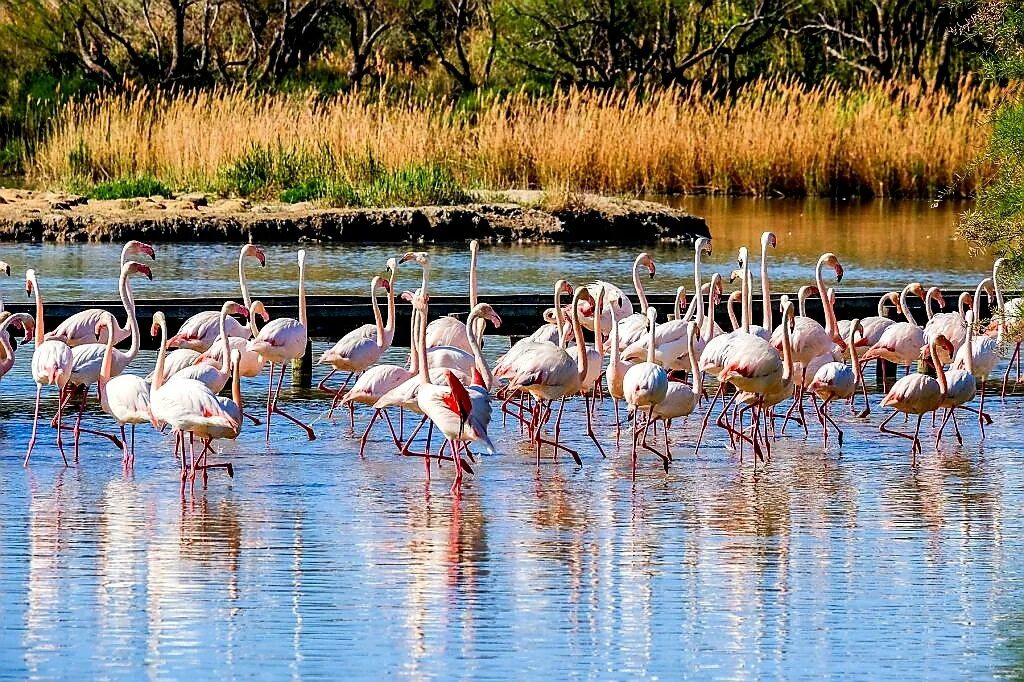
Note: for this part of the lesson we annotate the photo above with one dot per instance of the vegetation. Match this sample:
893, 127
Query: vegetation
771, 138
128, 187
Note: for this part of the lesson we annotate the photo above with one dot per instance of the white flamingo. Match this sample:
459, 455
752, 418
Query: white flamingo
51, 366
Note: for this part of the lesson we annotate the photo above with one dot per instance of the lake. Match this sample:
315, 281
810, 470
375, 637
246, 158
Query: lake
312, 562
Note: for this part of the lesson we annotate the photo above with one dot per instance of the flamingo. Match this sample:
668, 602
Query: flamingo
21, 321
363, 346
124, 397
549, 373
201, 330
680, 399
211, 375
634, 326
51, 365
447, 330
546, 333
615, 373
838, 381
1007, 318
900, 342
81, 327
251, 364
706, 326
767, 239
280, 341
671, 343
951, 324
746, 290
962, 386
617, 305
645, 385
917, 394
875, 325
88, 357
984, 350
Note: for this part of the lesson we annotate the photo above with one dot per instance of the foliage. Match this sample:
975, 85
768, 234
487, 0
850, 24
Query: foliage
128, 187
772, 138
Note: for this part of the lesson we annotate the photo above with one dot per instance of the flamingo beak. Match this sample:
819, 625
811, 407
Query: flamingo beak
148, 250
839, 272
145, 270
406, 257
495, 319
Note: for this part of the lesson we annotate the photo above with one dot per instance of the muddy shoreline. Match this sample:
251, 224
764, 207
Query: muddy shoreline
511, 217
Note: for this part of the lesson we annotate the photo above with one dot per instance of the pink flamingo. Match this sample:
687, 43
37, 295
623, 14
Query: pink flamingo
962, 386
447, 330
838, 381
984, 351
211, 375
900, 342
875, 325
81, 327
124, 397
951, 325
51, 366
634, 326
251, 364
201, 330
21, 321
917, 394
547, 333
1007, 317
363, 346
280, 341
680, 398
644, 386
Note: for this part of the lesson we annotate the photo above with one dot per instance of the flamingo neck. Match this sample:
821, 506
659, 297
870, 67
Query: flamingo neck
906, 308
236, 383
962, 305
128, 299
730, 307
225, 362
929, 314
787, 351
559, 317
677, 307
302, 294
857, 376
124, 254
999, 303
940, 373
414, 356
744, 293
969, 352
613, 343
108, 361
5, 339
472, 278
638, 284
243, 283
766, 294
698, 376
577, 330
650, 338
376, 314
389, 327
697, 288
40, 320
831, 326
473, 333
158, 374
976, 305
421, 345
882, 304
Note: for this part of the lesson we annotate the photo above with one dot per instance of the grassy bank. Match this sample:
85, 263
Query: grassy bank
772, 139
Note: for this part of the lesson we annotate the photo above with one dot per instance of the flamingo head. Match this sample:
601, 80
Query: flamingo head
485, 311
135, 247
735, 275
381, 283
474, 246
30, 278
133, 267
253, 251
27, 324
232, 308
5, 267
391, 265
768, 239
989, 289
106, 322
644, 260
894, 298
702, 245
159, 321
257, 308
407, 296
735, 297
457, 400
918, 290
831, 260
935, 294
421, 258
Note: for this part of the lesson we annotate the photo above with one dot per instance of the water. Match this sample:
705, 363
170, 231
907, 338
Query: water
881, 244
312, 562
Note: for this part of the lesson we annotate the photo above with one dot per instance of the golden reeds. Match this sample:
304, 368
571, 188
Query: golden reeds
773, 138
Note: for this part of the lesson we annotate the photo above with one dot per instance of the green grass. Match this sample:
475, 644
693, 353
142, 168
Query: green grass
126, 188
362, 181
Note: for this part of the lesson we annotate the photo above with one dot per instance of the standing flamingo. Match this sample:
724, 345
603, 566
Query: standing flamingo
280, 341
837, 380
1007, 319
984, 351
645, 385
917, 394
124, 397
962, 386
202, 329
211, 375
900, 342
680, 399
447, 330
22, 321
251, 364
51, 366
81, 327
634, 326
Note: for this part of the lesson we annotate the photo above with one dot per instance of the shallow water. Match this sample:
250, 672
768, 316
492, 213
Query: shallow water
880, 243
312, 562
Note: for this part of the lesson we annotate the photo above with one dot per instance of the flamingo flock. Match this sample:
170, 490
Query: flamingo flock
658, 371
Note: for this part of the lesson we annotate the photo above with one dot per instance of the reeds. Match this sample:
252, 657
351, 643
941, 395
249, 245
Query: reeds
773, 138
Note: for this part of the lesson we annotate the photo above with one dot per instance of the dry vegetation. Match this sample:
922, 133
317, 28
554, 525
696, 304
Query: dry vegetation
772, 139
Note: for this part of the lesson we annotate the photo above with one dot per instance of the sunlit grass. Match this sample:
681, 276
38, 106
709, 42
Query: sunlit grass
774, 138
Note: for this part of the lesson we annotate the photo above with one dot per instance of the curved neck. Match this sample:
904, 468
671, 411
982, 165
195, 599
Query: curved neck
730, 307
962, 303
236, 384
225, 362
128, 299
376, 314
928, 304
976, 305
559, 318
5, 339
677, 306
882, 304
158, 374
906, 308
389, 327
698, 376
830, 314
472, 279
639, 286
108, 360
124, 254
577, 330
302, 293
650, 338
473, 333
787, 351
766, 294
40, 320
851, 344
243, 282
940, 373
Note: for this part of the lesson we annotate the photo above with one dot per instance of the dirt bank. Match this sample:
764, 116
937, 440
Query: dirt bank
27, 215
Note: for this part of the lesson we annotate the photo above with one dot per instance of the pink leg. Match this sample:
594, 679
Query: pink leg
270, 395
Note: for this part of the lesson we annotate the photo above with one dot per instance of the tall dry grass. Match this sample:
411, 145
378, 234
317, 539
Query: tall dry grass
774, 138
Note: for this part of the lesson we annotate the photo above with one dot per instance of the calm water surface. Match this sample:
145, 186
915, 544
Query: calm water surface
312, 562
880, 244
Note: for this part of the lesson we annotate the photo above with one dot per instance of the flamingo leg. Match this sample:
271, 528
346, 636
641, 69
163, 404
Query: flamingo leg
124, 447
590, 427
827, 418
255, 420
366, 433
270, 395
707, 418
914, 440
558, 431
35, 427
277, 410
618, 427
456, 489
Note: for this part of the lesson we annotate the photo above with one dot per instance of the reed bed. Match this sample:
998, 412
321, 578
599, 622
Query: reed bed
773, 138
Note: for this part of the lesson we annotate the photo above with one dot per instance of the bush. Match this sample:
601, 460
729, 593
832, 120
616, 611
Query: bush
126, 188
